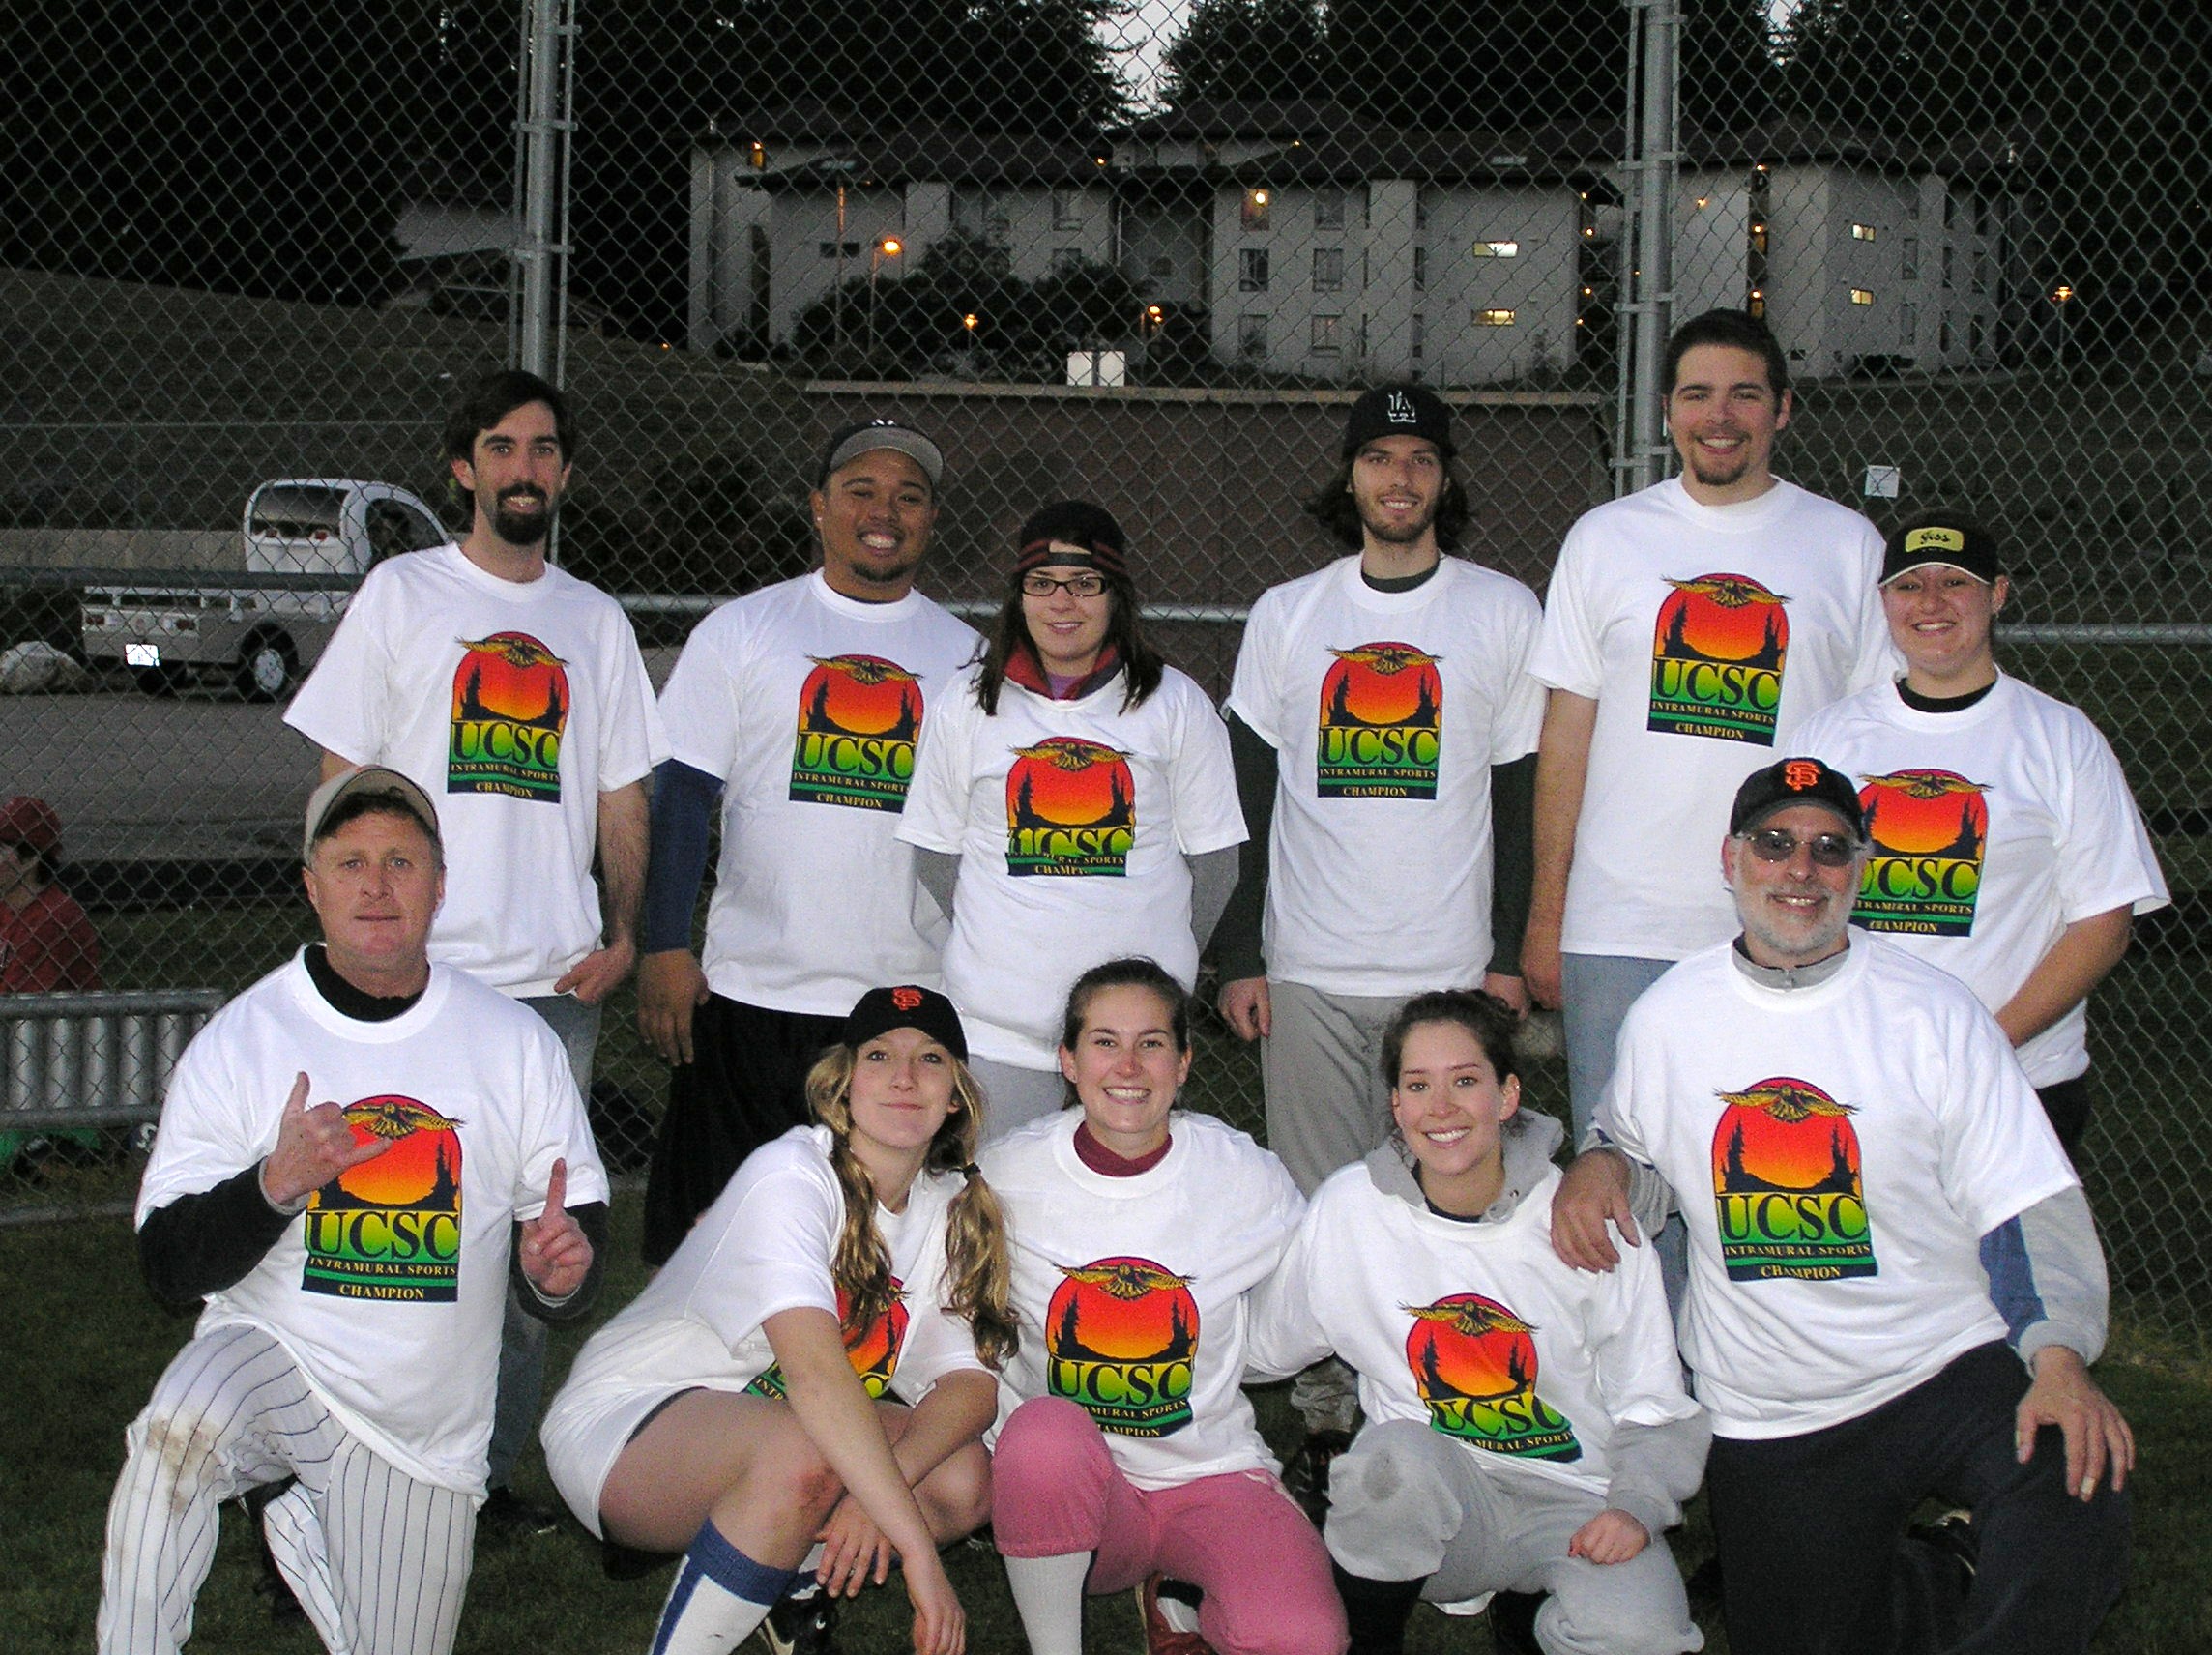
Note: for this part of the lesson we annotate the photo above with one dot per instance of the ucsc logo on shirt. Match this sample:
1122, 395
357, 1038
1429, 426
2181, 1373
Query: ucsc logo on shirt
1120, 1340
1717, 657
859, 720
1071, 808
1930, 830
872, 1347
1786, 1185
510, 704
391, 1227
1382, 724
1474, 1365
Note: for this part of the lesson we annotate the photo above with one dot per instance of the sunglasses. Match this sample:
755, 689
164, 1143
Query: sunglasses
1041, 585
1779, 845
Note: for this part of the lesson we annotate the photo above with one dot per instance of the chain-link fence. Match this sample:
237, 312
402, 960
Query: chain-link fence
1142, 252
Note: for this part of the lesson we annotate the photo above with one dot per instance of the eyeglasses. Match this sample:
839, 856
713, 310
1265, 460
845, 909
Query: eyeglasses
1779, 845
1039, 584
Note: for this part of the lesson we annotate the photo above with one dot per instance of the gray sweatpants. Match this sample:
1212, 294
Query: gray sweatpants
1408, 1503
1014, 1096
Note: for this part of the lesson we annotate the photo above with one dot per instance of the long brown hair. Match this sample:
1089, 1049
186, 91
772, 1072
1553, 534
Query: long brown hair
978, 1278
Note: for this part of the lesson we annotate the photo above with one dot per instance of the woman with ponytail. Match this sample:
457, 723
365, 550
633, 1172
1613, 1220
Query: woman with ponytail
799, 1396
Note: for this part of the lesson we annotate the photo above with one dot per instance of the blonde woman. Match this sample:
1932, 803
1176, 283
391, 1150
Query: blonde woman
808, 1378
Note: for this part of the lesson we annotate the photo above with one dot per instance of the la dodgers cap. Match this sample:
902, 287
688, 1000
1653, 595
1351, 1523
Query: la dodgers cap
1399, 411
371, 779
906, 1007
1072, 523
1795, 781
30, 823
849, 443
1946, 537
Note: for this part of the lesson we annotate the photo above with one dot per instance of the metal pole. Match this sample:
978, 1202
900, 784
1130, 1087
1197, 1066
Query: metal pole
539, 186
838, 294
1651, 169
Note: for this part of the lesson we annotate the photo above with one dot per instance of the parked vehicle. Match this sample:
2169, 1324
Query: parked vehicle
261, 640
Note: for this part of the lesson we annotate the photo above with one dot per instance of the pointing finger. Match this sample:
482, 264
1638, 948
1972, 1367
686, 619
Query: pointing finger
297, 1103
556, 1191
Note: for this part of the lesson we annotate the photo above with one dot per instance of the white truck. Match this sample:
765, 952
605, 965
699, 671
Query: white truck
261, 639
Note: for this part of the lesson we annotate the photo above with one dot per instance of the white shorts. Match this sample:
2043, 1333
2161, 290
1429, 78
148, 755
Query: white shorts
584, 1435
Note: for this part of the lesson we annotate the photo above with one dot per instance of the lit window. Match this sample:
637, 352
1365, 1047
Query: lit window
1328, 209
1328, 270
1494, 318
1862, 232
1496, 249
1758, 238
1256, 205
1756, 305
1067, 209
1325, 330
1252, 336
1252, 270
1862, 296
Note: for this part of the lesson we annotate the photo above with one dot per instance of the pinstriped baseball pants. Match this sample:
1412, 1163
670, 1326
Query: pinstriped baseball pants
379, 1559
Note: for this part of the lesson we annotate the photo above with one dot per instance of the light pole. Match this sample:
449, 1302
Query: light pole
2061, 295
887, 248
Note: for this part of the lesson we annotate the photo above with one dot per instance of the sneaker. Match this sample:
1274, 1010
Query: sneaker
1162, 1638
283, 1607
801, 1626
1305, 1476
505, 1515
1513, 1623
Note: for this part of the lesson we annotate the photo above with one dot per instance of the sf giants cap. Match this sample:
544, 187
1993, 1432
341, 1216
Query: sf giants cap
1946, 537
1399, 411
370, 779
882, 1009
1795, 781
851, 442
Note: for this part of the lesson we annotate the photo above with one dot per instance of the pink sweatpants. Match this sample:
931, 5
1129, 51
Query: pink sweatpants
1238, 1537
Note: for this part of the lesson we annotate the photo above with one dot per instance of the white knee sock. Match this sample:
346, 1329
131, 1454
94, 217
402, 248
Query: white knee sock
720, 1595
1048, 1593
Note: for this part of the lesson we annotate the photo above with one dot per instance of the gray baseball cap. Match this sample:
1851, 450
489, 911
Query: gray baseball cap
370, 779
849, 443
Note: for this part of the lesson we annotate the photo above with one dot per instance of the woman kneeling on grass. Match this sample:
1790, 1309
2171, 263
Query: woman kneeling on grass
741, 1409
1133, 1453
1527, 1431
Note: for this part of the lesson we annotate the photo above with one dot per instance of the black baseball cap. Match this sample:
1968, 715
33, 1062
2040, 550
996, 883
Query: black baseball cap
849, 443
1399, 411
1795, 781
1947, 538
882, 1009
1072, 523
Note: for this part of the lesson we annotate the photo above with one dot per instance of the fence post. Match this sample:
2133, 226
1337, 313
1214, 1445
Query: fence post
1640, 443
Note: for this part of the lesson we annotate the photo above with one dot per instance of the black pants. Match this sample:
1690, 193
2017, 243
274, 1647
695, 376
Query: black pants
2067, 1104
1814, 1554
746, 1085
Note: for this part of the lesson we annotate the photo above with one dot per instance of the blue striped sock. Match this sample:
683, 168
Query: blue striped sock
719, 1596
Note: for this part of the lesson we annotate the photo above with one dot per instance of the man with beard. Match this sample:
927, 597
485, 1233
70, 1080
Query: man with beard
514, 695
1383, 725
1688, 628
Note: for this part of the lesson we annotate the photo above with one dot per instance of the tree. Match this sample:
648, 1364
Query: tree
1247, 52
1478, 64
1729, 69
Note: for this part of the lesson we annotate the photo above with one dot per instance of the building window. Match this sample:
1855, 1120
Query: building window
1328, 209
1495, 317
1944, 336
1756, 303
1162, 266
1908, 251
1065, 261
1950, 211
1258, 204
1946, 264
830, 250
1252, 270
1913, 207
1759, 239
1325, 332
1420, 338
1067, 209
1496, 249
1420, 208
1907, 322
1328, 270
1862, 232
1421, 269
981, 213
1862, 296
1252, 336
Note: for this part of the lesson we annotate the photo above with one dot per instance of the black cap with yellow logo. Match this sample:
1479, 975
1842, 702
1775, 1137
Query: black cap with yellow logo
1947, 538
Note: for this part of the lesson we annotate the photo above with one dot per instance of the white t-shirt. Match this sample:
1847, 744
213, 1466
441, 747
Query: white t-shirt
1706, 636
388, 1290
1475, 1330
1133, 1292
1387, 710
1838, 1152
514, 705
766, 1245
807, 706
1994, 829
1071, 820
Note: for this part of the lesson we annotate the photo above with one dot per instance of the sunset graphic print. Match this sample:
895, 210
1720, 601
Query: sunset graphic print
1382, 723
511, 705
1475, 1363
391, 1227
1930, 830
1071, 809
1788, 1185
1120, 1341
873, 1348
1718, 651
859, 720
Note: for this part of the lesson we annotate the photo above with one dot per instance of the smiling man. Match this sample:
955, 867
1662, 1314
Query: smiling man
794, 712
1384, 723
1895, 1286
354, 1254
1689, 629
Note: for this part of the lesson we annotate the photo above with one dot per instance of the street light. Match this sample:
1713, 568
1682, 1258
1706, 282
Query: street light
887, 248
2060, 296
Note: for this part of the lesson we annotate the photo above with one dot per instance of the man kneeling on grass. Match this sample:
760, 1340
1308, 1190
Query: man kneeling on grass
354, 1255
